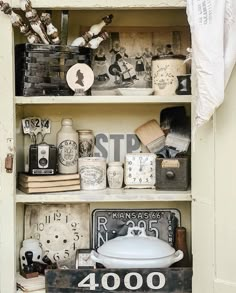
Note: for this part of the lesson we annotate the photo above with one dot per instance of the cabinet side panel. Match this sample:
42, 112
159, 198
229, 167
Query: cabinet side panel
203, 208
225, 191
7, 126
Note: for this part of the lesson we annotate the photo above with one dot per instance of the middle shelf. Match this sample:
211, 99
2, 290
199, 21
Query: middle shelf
106, 195
102, 99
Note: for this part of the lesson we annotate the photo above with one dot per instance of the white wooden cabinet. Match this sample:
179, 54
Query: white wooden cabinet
207, 210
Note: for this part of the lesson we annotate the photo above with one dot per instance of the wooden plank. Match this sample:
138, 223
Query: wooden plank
141, 29
106, 195
119, 280
8, 145
102, 100
104, 4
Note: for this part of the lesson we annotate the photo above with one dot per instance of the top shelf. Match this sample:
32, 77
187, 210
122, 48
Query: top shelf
104, 4
102, 100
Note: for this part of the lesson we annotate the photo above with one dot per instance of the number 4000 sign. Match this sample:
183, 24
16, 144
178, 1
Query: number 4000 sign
129, 281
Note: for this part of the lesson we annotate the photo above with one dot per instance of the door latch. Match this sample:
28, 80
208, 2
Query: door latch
9, 163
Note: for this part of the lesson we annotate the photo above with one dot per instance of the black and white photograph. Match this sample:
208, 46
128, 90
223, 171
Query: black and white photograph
125, 59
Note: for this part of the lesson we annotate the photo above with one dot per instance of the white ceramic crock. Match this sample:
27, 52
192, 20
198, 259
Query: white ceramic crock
92, 172
136, 251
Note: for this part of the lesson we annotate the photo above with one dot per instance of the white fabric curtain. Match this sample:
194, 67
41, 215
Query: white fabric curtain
213, 28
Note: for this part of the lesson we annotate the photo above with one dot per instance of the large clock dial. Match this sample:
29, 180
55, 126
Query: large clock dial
61, 229
140, 170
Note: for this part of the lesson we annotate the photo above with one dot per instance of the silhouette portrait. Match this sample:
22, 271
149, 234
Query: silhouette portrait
80, 77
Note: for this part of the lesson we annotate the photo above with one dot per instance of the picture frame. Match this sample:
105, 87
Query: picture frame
124, 59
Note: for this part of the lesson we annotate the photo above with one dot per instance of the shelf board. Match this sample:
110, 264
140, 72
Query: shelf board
102, 99
106, 195
103, 4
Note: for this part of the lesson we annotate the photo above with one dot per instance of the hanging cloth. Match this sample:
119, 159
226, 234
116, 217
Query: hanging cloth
213, 29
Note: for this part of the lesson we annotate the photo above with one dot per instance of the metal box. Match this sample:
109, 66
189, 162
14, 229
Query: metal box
173, 173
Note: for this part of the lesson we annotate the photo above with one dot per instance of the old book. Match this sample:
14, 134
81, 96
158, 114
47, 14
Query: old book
27, 178
49, 189
49, 183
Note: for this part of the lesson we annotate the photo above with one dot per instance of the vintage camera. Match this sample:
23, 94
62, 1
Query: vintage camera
42, 159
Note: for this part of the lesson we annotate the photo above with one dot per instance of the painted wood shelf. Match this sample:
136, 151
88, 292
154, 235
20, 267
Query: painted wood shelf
107, 195
103, 4
102, 99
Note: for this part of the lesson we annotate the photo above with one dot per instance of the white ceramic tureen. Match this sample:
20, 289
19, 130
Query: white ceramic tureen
136, 250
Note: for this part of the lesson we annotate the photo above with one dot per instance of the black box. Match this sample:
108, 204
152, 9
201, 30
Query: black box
40, 70
42, 159
173, 173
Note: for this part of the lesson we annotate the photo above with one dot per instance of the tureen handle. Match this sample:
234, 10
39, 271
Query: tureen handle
140, 231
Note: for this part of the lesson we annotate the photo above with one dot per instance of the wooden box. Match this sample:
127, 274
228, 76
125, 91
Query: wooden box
173, 173
40, 70
170, 280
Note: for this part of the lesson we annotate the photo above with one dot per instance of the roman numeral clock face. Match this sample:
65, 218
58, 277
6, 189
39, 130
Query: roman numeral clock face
61, 230
140, 170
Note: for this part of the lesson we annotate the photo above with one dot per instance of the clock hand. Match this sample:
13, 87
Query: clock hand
140, 164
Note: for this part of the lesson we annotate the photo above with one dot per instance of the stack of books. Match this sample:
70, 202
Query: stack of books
52, 183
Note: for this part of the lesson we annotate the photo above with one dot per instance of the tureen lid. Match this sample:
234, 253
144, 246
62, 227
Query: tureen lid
138, 246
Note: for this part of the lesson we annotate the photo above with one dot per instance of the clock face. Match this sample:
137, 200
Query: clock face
83, 259
61, 230
140, 170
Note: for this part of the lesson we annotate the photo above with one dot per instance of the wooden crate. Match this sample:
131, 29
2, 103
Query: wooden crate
40, 70
171, 280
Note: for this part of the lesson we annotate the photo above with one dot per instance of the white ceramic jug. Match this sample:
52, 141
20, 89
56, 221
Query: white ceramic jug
67, 145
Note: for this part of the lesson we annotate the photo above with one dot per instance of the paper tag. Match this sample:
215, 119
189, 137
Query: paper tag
35, 125
170, 164
26, 125
46, 126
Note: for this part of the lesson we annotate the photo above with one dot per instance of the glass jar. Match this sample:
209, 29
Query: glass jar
115, 174
86, 142
33, 246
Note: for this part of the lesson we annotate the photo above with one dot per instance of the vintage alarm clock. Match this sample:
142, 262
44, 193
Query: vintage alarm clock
82, 259
61, 229
42, 159
140, 170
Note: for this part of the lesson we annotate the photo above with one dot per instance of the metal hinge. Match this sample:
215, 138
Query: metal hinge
9, 163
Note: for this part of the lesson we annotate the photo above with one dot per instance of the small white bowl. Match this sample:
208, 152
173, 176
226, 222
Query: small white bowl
135, 91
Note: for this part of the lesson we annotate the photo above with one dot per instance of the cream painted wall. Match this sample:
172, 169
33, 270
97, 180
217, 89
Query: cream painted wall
225, 189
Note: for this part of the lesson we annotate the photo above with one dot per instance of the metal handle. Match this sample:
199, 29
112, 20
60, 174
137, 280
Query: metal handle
170, 174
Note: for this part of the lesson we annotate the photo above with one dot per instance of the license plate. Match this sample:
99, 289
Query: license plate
110, 223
